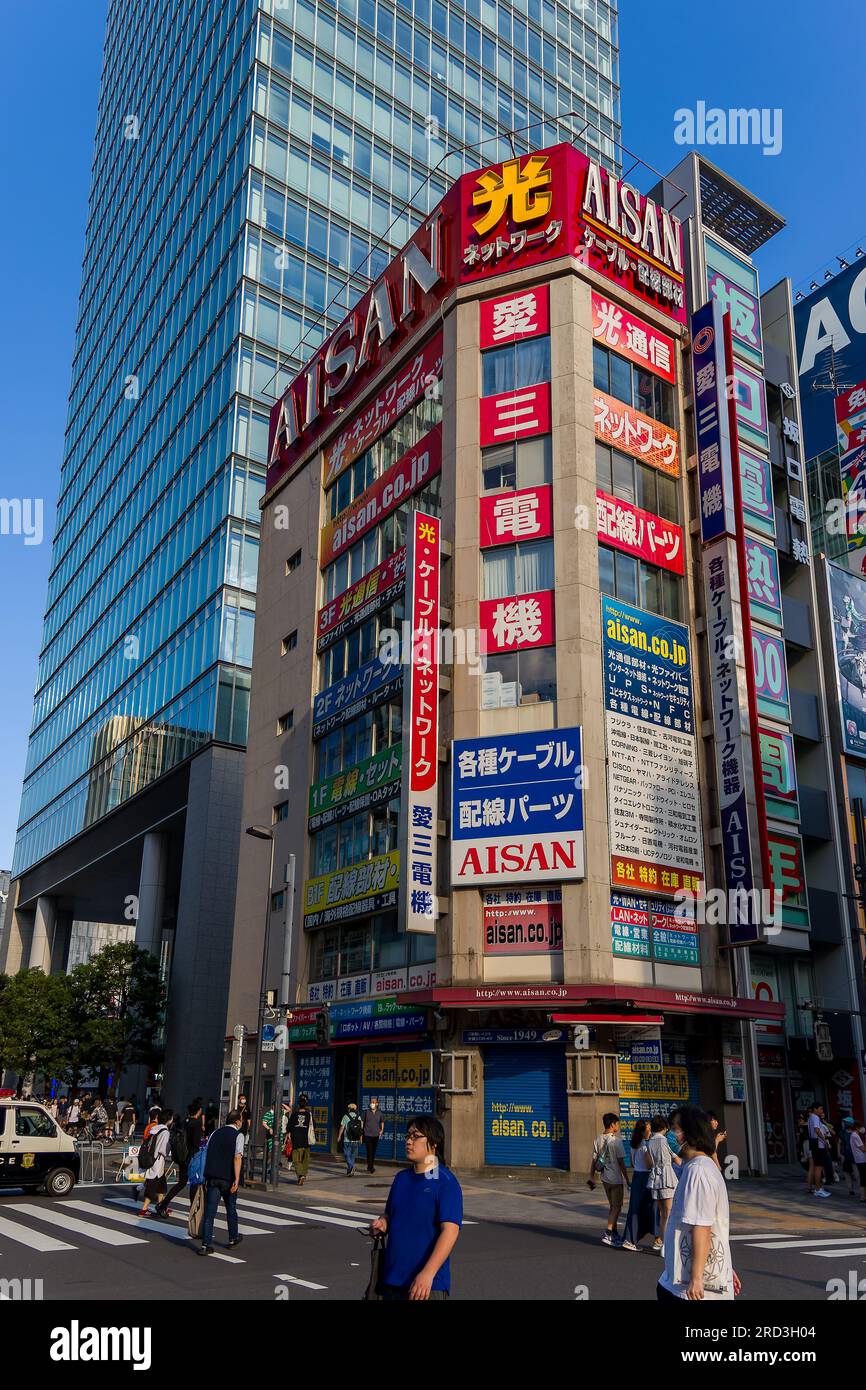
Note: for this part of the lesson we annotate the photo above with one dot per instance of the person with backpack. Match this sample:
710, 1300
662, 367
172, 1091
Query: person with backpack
180, 1144
303, 1137
222, 1174
153, 1159
350, 1135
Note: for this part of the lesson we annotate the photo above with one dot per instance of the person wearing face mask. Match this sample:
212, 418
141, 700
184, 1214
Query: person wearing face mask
303, 1136
350, 1135
697, 1249
374, 1128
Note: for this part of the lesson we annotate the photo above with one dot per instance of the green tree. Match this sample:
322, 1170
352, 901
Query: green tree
35, 1024
116, 1011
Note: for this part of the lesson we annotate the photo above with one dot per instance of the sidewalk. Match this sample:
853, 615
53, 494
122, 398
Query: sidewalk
760, 1205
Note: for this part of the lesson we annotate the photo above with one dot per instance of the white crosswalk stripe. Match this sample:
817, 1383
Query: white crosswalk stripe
36, 1240
824, 1248
155, 1222
244, 1212
143, 1223
82, 1228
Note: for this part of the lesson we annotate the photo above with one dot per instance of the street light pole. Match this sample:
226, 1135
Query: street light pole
284, 1004
261, 832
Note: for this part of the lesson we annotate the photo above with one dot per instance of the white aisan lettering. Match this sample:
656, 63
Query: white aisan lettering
625, 211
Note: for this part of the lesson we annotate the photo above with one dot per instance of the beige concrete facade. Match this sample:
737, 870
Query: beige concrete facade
280, 683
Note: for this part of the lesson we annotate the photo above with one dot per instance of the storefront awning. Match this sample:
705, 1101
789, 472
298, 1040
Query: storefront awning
569, 997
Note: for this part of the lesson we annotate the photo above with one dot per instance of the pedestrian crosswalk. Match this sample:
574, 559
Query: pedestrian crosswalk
851, 1243
109, 1217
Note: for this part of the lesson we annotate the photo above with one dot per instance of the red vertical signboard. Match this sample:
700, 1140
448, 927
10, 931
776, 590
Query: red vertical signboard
419, 809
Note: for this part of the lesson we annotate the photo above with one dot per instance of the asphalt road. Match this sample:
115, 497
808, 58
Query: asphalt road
311, 1244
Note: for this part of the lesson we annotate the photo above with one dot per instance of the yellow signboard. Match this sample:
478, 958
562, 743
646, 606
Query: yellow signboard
352, 892
669, 1085
408, 1071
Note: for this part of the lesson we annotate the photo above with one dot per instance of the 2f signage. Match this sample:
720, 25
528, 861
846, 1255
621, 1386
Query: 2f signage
421, 729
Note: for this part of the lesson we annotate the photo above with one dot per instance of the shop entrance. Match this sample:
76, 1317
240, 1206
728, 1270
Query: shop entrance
346, 1083
775, 1124
525, 1106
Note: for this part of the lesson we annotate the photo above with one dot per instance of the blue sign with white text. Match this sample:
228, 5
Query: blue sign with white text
530, 783
647, 666
834, 315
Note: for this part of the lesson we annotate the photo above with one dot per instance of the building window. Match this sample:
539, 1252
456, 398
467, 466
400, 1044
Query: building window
278, 901
517, 569
286, 722
519, 678
634, 581
516, 365
626, 381
507, 467
624, 477
293, 562
280, 812
289, 643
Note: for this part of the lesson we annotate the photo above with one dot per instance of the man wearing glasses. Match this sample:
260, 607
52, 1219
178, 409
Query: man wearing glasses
422, 1220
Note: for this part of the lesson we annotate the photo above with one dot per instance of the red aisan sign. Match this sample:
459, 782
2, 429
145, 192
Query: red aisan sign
524, 314
639, 533
623, 428
409, 474
515, 414
513, 516
633, 338
362, 600
524, 212
511, 624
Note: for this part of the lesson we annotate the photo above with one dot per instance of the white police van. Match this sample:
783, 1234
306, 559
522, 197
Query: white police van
34, 1152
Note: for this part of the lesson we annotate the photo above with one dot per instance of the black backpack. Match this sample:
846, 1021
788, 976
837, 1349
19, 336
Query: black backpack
147, 1153
178, 1146
354, 1129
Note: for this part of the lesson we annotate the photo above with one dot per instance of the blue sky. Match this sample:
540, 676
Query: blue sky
747, 53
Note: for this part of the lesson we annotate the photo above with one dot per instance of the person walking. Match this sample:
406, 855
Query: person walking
127, 1122
303, 1136
374, 1128
423, 1217
697, 1249
662, 1180
155, 1152
184, 1141
350, 1135
111, 1111
73, 1118
639, 1220
858, 1157
608, 1163
818, 1148
222, 1176
246, 1131
846, 1131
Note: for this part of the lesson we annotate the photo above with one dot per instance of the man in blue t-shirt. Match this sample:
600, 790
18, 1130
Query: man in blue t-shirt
423, 1216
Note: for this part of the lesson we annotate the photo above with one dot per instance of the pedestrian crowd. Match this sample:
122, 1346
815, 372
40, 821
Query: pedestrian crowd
831, 1153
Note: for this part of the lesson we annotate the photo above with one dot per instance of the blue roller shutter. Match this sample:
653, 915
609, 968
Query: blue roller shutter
525, 1106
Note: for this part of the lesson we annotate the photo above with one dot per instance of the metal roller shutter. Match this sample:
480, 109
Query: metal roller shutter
525, 1106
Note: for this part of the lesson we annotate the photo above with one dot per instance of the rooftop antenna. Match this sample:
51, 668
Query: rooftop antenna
833, 383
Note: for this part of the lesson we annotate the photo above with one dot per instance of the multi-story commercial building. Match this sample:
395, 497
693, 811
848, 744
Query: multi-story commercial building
500, 448
255, 166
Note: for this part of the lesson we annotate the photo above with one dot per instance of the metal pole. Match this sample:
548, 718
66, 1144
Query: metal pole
284, 1004
256, 1096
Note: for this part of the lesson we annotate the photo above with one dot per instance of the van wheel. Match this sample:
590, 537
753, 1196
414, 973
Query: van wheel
60, 1182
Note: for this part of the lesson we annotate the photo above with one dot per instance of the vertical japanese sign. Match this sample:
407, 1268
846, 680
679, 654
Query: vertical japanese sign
715, 477
417, 911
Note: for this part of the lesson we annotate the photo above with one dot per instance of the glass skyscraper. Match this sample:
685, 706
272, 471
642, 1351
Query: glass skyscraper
256, 165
